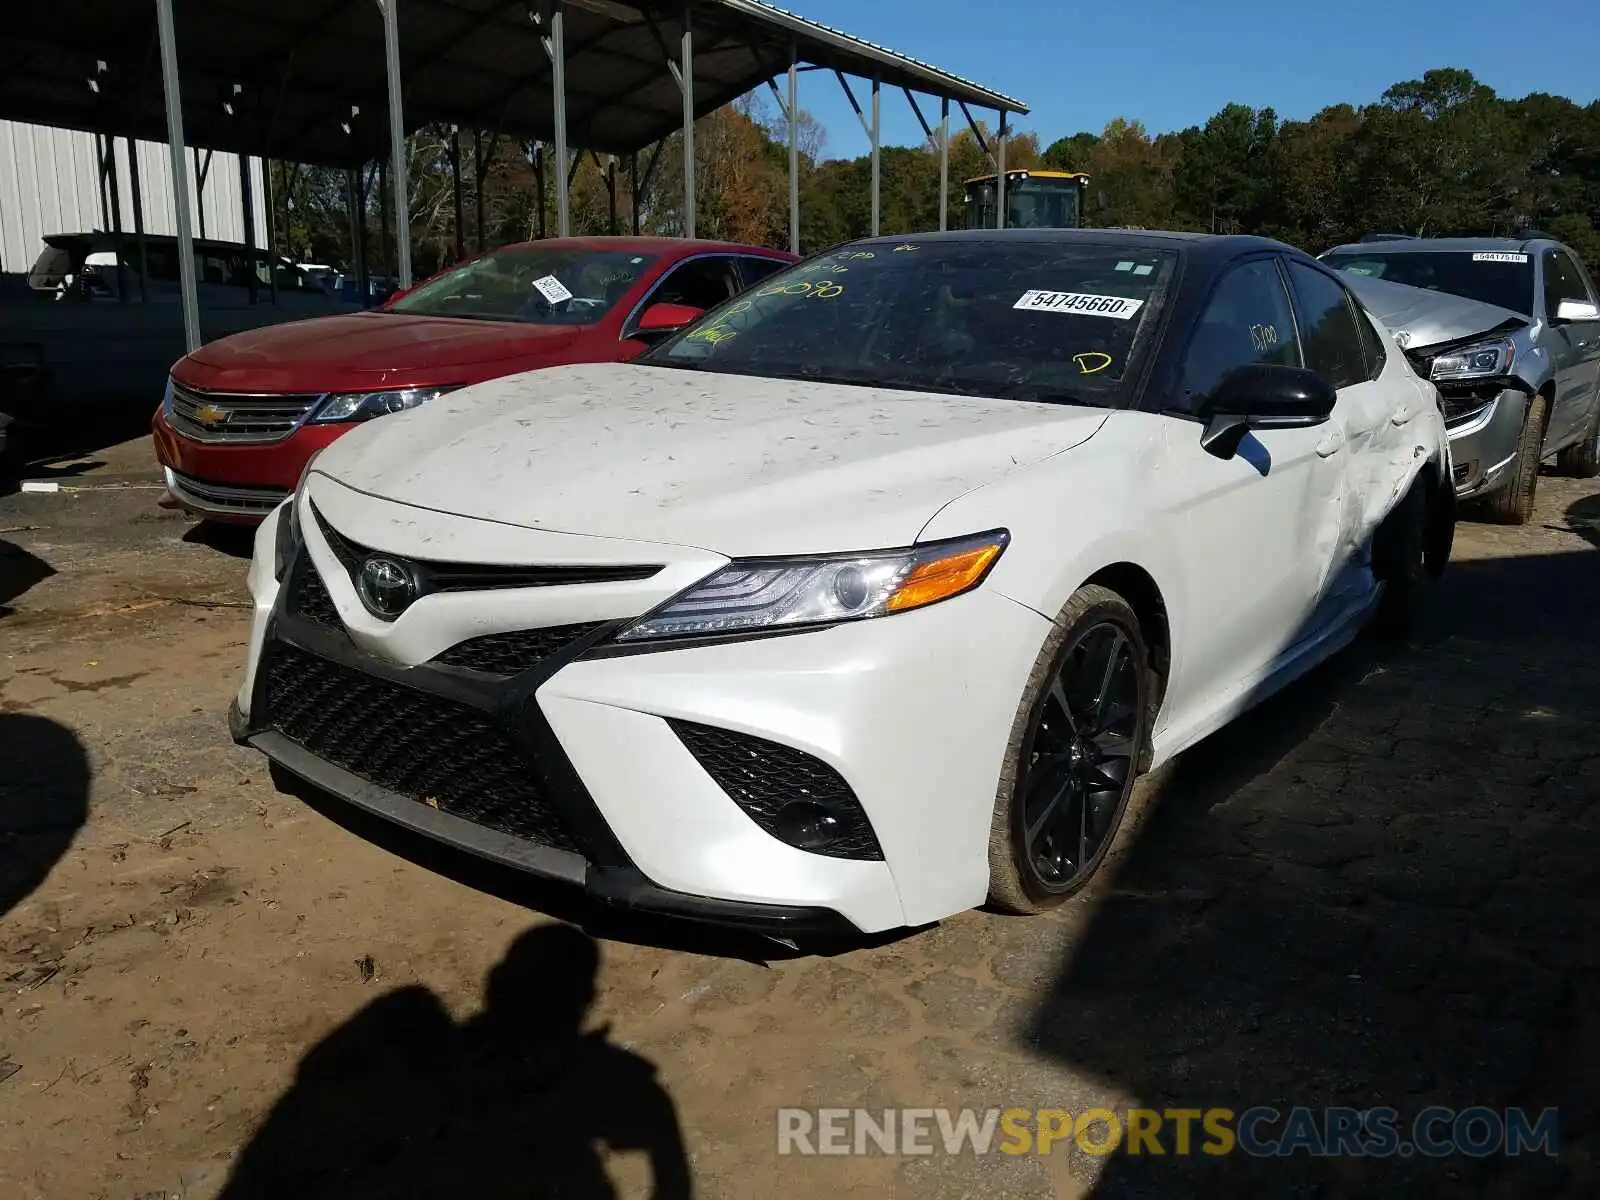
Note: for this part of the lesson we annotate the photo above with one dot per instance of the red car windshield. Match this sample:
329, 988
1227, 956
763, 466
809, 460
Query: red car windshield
532, 284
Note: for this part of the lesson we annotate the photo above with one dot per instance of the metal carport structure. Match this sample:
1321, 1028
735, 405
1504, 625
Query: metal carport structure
342, 82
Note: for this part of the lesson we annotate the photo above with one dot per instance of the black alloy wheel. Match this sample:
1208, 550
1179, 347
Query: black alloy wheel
1071, 772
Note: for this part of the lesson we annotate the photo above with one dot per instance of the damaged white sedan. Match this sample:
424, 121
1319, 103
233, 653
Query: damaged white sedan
865, 598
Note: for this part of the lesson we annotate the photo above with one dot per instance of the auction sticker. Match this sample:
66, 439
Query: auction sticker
1499, 256
1081, 303
552, 289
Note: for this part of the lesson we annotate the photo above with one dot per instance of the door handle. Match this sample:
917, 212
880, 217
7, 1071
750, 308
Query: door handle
1332, 442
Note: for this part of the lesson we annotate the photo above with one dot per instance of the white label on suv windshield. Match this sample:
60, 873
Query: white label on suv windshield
1499, 256
552, 289
1080, 303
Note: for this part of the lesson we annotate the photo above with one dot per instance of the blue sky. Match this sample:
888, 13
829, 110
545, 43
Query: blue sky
1172, 63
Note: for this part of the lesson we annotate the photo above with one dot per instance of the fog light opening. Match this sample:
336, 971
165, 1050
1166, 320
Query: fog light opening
808, 825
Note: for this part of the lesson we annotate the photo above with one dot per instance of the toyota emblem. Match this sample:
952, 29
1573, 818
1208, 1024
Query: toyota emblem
386, 586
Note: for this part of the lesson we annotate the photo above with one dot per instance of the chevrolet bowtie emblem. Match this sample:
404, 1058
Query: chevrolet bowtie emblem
210, 414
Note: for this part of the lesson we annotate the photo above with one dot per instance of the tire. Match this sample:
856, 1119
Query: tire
1513, 504
1095, 776
1582, 461
1399, 561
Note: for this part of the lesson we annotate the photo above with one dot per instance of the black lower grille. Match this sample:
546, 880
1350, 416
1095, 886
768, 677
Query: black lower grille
765, 778
512, 653
308, 595
447, 755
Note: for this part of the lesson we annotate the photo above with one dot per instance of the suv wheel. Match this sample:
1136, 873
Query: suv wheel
1513, 503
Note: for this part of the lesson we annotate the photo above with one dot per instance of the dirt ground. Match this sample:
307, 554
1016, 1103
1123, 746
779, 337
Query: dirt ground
1380, 888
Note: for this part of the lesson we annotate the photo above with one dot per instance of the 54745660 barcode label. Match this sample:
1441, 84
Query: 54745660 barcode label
1081, 304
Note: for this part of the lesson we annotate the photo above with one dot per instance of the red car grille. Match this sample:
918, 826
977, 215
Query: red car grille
235, 416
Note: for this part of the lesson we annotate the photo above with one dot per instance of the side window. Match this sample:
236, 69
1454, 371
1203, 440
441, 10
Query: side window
1333, 343
756, 269
1247, 321
699, 283
1562, 281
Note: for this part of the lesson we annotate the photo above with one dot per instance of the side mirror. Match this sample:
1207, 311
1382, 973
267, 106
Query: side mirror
1577, 310
659, 320
1262, 397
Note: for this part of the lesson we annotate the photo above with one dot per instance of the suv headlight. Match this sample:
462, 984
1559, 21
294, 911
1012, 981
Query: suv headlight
761, 595
1481, 361
363, 406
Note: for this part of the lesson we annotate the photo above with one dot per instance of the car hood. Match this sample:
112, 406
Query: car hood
378, 343
1419, 317
730, 463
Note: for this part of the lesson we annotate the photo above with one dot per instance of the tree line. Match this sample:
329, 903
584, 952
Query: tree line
1436, 156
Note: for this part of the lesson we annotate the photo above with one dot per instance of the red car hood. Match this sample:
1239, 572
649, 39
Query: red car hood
369, 350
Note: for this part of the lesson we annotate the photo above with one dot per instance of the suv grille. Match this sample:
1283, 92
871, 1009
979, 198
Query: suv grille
254, 501
515, 652
235, 416
765, 778
446, 755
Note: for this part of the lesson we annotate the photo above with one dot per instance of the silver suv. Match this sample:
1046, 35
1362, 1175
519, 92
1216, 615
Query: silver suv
1508, 329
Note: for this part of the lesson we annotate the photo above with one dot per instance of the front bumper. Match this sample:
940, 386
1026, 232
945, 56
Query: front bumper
238, 483
913, 712
1483, 448
616, 887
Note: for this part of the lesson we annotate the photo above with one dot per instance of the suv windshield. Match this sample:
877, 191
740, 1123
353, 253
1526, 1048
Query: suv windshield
1012, 318
1499, 277
546, 287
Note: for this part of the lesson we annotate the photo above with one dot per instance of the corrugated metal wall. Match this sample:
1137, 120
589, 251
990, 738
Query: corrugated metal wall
49, 183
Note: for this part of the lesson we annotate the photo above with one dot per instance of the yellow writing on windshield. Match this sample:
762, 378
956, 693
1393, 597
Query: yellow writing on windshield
1090, 361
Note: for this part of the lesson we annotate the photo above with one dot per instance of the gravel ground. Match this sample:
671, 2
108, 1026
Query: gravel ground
1378, 889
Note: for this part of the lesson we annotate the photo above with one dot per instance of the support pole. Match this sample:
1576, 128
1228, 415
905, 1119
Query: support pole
611, 193
686, 85
455, 190
271, 199
201, 170
944, 164
794, 148
1000, 174
538, 178
477, 168
114, 189
136, 187
876, 170
180, 172
397, 140
558, 68
247, 198
633, 188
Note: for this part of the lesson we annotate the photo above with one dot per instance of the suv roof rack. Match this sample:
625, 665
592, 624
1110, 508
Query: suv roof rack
1389, 237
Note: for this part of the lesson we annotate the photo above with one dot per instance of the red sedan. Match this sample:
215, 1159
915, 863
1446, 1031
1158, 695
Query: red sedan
242, 415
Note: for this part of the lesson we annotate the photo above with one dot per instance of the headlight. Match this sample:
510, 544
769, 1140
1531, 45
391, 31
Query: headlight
166, 399
363, 406
772, 594
1482, 361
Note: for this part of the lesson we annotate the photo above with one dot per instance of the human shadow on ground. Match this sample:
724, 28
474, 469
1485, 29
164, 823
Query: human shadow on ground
44, 800
516, 1101
1380, 889
19, 571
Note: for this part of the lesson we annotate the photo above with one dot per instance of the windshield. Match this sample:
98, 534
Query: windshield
542, 286
1017, 319
1496, 277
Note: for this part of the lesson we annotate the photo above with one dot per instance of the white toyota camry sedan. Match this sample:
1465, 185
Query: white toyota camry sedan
865, 597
